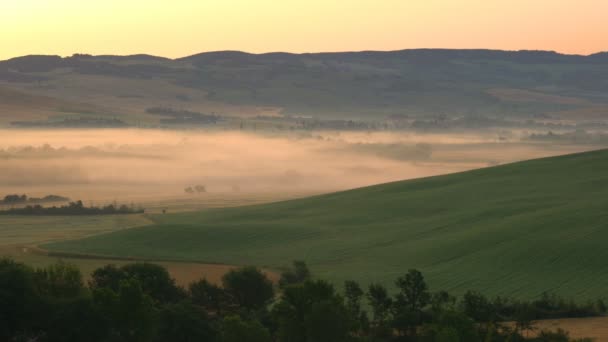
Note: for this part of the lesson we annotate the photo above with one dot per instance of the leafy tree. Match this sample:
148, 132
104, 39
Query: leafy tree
235, 329
354, 294
298, 274
381, 304
108, 277
299, 312
208, 295
477, 306
59, 280
451, 326
75, 320
184, 322
155, 281
249, 287
327, 321
441, 301
414, 293
413, 296
20, 304
130, 312
11, 199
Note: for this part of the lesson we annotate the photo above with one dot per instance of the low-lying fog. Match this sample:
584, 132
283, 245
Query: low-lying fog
142, 165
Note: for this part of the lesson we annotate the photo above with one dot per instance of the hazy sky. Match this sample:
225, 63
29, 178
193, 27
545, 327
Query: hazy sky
176, 28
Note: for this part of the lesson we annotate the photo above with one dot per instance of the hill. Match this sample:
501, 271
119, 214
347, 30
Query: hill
518, 229
363, 85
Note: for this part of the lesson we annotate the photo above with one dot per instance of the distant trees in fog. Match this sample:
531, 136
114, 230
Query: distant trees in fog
21, 199
195, 189
73, 208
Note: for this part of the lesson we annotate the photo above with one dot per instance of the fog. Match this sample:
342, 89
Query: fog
143, 165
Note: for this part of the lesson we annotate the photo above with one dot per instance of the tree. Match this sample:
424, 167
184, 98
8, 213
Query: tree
524, 319
235, 329
12, 199
441, 301
155, 281
108, 276
477, 306
327, 321
75, 320
21, 307
129, 312
354, 294
297, 275
208, 295
451, 326
311, 311
414, 294
184, 322
381, 304
249, 287
59, 280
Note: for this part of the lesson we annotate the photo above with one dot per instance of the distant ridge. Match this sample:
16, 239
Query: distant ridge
337, 85
538, 55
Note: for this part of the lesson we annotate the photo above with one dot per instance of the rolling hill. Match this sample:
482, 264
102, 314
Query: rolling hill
518, 229
360, 85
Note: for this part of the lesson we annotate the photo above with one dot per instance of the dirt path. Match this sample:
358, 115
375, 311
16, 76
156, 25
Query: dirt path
592, 327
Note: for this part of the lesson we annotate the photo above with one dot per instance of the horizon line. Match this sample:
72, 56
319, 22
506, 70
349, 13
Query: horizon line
309, 53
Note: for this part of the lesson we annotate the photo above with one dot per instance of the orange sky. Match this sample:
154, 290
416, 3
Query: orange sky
178, 28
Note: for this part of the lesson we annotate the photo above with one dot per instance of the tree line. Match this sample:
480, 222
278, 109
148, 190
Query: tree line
141, 302
21, 199
73, 209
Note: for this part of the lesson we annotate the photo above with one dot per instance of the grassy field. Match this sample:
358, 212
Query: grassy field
518, 229
31, 230
19, 236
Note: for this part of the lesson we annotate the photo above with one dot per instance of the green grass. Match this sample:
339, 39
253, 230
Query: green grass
517, 229
30, 230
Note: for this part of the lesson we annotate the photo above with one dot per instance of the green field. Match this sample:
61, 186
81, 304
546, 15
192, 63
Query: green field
31, 230
518, 229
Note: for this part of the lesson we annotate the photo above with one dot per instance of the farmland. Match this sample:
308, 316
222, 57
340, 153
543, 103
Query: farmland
20, 235
518, 230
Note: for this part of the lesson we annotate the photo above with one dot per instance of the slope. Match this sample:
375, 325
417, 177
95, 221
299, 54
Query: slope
517, 229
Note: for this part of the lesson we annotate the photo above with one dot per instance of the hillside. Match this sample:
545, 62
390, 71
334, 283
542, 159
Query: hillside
364, 85
517, 229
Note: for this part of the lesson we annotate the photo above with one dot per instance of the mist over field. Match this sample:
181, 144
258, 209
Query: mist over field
139, 164
302, 180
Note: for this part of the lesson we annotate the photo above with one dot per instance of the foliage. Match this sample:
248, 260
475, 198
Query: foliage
140, 303
297, 274
248, 287
184, 322
235, 329
73, 208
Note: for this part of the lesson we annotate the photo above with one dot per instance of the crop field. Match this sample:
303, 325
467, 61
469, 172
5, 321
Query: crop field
19, 236
28, 230
518, 230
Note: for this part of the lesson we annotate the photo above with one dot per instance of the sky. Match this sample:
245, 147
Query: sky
178, 28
